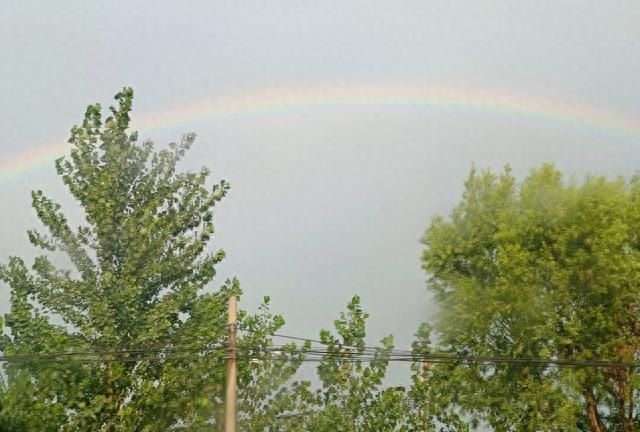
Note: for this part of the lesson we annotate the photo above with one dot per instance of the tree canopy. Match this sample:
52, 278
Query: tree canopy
546, 268
126, 337
351, 394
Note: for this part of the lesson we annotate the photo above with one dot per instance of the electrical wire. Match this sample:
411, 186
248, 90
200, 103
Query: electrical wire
340, 353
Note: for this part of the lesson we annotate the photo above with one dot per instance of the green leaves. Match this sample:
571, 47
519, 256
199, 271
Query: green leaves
542, 269
351, 394
135, 294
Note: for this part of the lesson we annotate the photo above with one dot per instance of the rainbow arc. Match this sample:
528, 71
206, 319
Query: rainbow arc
331, 96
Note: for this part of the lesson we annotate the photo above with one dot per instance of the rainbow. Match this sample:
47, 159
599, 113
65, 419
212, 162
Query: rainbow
392, 95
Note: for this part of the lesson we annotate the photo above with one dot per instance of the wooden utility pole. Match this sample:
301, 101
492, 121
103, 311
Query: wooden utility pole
231, 396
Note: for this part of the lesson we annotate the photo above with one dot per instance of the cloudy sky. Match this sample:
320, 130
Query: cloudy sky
343, 127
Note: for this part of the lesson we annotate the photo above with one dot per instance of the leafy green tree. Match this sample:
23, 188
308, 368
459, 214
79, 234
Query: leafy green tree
544, 269
431, 401
132, 300
351, 395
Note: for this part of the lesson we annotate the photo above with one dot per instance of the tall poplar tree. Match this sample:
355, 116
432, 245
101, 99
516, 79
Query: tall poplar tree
125, 339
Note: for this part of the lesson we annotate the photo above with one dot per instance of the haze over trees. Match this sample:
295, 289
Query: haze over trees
544, 269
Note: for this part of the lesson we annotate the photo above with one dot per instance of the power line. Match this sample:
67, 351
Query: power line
120, 352
444, 357
317, 341
341, 353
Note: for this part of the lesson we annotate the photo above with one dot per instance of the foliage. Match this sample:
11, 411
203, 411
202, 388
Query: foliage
351, 395
544, 269
134, 295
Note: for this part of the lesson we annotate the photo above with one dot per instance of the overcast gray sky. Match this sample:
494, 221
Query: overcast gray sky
326, 201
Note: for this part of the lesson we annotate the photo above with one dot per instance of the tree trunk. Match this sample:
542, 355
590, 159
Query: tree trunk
619, 391
592, 411
622, 378
625, 421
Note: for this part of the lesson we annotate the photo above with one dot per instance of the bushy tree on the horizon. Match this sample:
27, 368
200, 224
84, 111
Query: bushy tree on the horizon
543, 269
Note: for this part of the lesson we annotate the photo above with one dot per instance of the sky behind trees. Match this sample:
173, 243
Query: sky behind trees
329, 197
